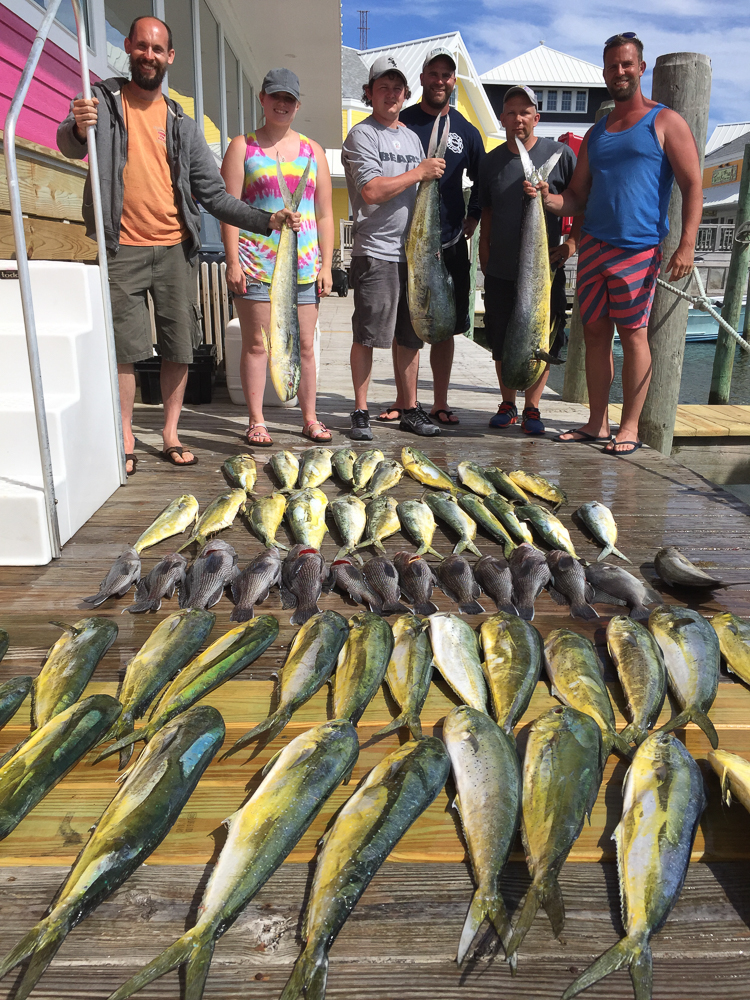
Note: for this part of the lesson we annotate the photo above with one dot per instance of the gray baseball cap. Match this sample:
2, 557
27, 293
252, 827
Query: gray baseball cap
518, 90
435, 54
383, 65
277, 81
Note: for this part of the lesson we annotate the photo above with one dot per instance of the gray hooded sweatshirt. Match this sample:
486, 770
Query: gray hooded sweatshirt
195, 174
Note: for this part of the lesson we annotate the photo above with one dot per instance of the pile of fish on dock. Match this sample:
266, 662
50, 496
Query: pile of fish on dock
493, 672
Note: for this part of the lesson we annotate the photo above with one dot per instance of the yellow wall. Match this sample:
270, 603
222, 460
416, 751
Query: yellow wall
340, 211
466, 108
708, 173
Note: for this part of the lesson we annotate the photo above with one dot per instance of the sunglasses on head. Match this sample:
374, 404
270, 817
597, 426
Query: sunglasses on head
622, 34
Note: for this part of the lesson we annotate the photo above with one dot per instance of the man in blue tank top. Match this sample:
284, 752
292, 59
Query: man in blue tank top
623, 183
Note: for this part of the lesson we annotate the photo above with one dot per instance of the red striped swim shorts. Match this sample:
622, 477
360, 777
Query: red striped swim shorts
617, 283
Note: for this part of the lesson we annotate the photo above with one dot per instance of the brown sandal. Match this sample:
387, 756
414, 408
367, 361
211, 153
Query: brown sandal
259, 439
322, 435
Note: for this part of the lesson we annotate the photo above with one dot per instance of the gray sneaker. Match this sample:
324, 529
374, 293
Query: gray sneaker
418, 422
361, 430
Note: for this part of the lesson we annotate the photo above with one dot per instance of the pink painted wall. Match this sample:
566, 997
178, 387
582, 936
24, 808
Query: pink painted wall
56, 80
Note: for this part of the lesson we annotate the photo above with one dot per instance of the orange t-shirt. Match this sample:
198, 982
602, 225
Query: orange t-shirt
150, 216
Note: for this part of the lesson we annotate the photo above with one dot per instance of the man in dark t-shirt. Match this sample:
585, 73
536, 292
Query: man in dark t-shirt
464, 153
501, 196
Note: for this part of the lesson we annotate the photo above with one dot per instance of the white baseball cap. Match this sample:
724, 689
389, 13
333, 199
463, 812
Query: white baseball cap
386, 64
435, 54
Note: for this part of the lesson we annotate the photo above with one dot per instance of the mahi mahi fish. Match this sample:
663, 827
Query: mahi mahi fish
734, 641
526, 346
286, 469
432, 301
663, 799
173, 642
306, 515
419, 522
512, 663
134, 823
312, 656
13, 693
562, 771
446, 507
382, 522
409, 673
366, 830
640, 667
488, 786
599, 520
173, 520
455, 648
734, 774
260, 835
316, 467
219, 514
242, 471
419, 467
282, 338
361, 665
265, 516
350, 517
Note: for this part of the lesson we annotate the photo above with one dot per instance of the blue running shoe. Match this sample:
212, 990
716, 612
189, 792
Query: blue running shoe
531, 422
506, 415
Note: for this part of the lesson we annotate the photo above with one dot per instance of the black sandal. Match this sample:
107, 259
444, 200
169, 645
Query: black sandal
134, 460
438, 414
169, 454
585, 437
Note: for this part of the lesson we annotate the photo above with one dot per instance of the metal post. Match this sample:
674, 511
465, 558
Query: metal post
24, 278
721, 377
575, 389
682, 81
96, 195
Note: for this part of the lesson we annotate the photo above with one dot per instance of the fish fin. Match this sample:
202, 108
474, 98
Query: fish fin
471, 608
299, 191
484, 905
272, 725
556, 596
288, 600
137, 607
602, 597
692, 715
378, 545
640, 613
634, 734
271, 762
70, 628
525, 611
606, 551
408, 720
198, 967
541, 355
584, 611
531, 903
242, 614
41, 943
621, 555
726, 792
308, 977
395, 609
425, 609
509, 609
126, 741
183, 950
549, 165
301, 615
433, 552
615, 740
652, 597
466, 543
626, 952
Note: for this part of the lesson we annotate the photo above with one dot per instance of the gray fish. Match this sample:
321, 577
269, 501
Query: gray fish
614, 585
530, 573
254, 583
676, 569
457, 582
493, 575
569, 585
302, 577
124, 572
215, 567
348, 577
382, 576
168, 574
417, 580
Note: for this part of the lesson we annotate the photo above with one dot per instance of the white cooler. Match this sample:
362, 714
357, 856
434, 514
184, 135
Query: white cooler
232, 351
78, 399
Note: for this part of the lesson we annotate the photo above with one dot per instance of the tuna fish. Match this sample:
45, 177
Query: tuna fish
432, 302
526, 345
282, 338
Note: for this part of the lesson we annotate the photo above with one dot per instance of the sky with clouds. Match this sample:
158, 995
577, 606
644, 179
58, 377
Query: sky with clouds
496, 31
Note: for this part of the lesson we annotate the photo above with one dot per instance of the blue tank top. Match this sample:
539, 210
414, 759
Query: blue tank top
631, 184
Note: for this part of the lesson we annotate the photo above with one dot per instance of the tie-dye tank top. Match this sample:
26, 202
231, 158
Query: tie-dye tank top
261, 190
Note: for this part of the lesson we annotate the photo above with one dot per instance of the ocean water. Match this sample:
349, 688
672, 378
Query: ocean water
696, 375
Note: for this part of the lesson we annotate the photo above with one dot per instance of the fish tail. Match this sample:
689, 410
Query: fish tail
621, 555
628, 952
525, 611
41, 943
428, 548
634, 734
615, 740
606, 551
378, 545
308, 977
189, 948
639, 613
425, 609
121, 744
301, 614
471, 608
147, 604
272, 725
485, 904
242, 614
547, 894
584, 611
395, 608
692, 715
466, 543
509, 609
408, 720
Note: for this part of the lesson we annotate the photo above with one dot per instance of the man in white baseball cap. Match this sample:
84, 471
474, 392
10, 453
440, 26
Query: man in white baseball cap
383, 162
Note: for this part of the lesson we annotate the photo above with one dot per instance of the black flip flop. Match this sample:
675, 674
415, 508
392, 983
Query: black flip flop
446, 423
170, 452
585, 437
635, 445
390, 420
134, 460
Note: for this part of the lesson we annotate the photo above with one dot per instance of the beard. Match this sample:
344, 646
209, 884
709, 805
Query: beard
623, 94
142, 80
438, 103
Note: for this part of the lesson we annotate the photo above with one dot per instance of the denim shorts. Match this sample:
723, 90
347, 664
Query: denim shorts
259, 291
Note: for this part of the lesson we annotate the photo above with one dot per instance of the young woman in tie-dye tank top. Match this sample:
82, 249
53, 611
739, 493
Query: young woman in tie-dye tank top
250, 173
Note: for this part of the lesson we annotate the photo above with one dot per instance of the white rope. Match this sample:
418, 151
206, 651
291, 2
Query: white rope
700, 301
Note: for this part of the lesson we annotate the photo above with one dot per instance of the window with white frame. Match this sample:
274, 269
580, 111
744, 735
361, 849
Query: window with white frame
562, 101
66, 16
119, 15
181, 79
